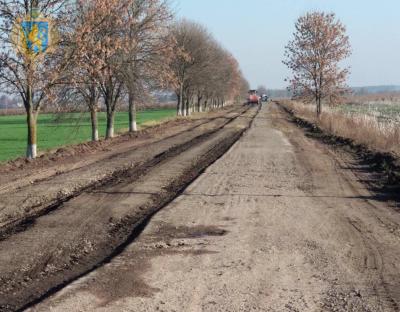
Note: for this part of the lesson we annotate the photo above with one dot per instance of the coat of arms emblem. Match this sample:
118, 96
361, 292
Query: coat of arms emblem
32, 37
35, 37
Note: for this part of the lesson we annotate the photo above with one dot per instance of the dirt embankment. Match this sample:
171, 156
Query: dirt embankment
87, 229
33, 191
75, 156
14, 172
383, 168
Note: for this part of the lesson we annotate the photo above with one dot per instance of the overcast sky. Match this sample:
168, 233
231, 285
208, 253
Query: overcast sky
256, 31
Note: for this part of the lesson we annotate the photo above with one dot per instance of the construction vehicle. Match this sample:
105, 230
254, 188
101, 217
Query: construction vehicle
253, 97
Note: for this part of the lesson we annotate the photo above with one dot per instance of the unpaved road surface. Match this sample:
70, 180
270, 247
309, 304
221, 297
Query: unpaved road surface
279, 223
43, 185
81, 233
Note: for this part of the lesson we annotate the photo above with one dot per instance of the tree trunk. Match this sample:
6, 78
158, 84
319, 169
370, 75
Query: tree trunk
31, 120
318, 100
199, 108
132, 113
319, 96
31, 151
320, 106
181, 104
93, 118
178, 106
110, 124
187, 107
183, 107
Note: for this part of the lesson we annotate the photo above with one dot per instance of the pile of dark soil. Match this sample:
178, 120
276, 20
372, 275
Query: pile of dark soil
383, 166
79, 150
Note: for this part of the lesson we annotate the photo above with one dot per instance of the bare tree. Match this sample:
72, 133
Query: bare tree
191, 56
320, 43
205, 79
90, 93
228, 78
206, 74
146, 57
83, 79
108, 51
100, 42
244, 88
24, 69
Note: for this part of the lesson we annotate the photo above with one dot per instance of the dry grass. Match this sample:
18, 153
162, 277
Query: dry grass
374, 99
13, 111
360, 128
385, 107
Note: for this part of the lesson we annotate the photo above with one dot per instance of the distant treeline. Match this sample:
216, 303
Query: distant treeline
284, 93
158, 99
279, 93
375, 90
163, 98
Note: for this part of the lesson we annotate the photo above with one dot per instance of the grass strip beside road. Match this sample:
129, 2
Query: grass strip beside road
58, 130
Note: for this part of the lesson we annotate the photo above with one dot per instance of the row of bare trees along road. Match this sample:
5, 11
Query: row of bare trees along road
107, 52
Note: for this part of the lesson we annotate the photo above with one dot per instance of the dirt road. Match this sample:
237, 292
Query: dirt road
81, 233
279, 223
31, 192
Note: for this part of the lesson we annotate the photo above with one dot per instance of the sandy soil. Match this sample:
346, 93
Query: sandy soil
279, 223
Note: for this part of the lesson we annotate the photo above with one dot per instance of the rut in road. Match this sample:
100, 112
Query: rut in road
84, 231
19, 208
73, 158
279, 223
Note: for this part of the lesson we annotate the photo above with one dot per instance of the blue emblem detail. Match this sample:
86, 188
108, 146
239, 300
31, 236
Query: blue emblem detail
36, 36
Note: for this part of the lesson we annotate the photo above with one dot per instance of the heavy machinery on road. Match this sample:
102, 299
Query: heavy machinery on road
253, 97
264, 98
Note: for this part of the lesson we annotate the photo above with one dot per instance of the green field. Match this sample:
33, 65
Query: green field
61, 130
383, 112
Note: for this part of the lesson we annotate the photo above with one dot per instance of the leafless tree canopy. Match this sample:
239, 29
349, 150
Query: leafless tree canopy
319, 45
206, 75
110, 51
33, 79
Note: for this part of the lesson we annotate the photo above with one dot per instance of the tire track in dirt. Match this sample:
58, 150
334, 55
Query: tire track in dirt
21, 173
47, 195
87, 229
294, 237
371, 253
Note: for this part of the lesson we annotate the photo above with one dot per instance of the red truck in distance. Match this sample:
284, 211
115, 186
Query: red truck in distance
253, 97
